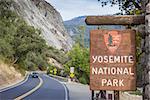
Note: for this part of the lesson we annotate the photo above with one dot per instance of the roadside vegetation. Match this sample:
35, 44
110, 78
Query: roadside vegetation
136, 92
79, 59
22, 45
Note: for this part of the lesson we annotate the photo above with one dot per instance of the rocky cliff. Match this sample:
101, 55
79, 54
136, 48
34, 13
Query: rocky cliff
43, 16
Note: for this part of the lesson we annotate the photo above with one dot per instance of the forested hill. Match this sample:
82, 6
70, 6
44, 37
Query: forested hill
77, 28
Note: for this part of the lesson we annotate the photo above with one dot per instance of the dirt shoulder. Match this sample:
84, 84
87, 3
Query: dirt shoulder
9, 75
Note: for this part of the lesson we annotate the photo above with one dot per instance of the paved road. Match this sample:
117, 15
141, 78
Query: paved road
50, 90
19, 90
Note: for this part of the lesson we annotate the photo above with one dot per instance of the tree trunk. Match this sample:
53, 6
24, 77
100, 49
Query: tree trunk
146, 50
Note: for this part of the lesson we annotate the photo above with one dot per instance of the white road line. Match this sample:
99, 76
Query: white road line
31, 91
15, 85
66, 93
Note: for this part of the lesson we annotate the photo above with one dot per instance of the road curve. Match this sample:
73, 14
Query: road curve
31, 91
14, 92
50, 90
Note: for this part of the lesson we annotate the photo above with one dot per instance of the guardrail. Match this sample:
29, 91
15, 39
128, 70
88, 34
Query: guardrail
59, 78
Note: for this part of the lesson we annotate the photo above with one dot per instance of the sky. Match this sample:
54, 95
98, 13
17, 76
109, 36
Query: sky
74, 8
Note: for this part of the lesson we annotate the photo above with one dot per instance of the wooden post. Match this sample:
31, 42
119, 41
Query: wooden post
103, 94
116, 95
115, 20
92, 94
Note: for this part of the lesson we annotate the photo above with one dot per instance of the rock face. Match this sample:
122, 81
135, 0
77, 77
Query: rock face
43, 16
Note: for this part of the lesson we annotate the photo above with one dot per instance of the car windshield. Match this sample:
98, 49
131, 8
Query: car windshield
34, 73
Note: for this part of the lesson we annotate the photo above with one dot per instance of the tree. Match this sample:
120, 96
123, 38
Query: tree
110, 40
79, 59
19, 42
129, 6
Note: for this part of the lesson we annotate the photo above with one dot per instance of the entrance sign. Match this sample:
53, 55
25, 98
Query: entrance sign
112, 60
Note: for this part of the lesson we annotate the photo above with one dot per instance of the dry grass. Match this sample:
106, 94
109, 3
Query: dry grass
8, 74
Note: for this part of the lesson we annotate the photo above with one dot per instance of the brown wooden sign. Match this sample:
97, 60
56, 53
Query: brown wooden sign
112, 60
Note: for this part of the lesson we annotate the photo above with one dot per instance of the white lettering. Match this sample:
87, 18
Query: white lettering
100, 71
100, 59
130, 71
109, 83
94, 70
113, 82
131, 59
117, 59
94, 58
112, 71
121, 83
104, 82
126, 71
113, 59
105, 59
119, 70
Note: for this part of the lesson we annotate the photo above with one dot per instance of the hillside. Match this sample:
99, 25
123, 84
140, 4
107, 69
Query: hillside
28, 44
8, 74
42, 15
73, 28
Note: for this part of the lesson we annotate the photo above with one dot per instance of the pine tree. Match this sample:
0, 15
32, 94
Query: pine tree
110, 40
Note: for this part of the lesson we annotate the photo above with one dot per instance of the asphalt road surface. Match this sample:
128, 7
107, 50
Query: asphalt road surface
50, 89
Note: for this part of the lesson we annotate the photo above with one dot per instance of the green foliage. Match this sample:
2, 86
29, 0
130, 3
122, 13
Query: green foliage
129, 6
5, 48
139, 68
136, 92
21, 43
56, 54
79, 58
51, 70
